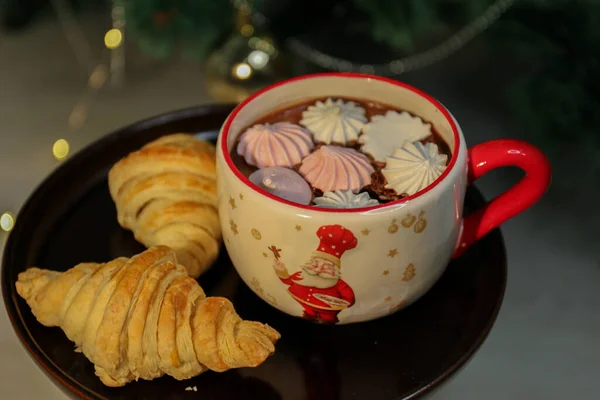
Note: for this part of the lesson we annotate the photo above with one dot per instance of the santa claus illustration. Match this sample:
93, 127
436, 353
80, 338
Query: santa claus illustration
318, 286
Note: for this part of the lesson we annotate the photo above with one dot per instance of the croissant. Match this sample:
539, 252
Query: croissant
143, 317
165, 193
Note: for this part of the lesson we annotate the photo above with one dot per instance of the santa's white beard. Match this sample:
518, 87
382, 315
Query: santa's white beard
319, 281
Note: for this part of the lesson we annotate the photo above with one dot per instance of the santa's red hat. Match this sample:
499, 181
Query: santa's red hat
334, 241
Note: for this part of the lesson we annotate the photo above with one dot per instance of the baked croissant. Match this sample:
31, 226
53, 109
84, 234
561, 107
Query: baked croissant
143, 317
166, 194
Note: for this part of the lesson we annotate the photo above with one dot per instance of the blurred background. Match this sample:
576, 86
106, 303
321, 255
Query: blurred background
72, 71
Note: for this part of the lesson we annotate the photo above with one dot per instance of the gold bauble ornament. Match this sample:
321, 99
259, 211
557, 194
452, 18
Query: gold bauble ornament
246, 62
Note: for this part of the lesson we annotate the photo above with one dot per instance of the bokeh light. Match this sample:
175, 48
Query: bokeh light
97, 77
7, 221
258, 59
242, 71
247, 30
113, 38
60, 149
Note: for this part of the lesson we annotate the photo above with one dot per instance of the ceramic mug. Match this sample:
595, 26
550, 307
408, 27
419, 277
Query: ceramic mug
378, 259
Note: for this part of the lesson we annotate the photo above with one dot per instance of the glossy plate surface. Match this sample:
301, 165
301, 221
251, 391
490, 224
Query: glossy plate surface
70, 218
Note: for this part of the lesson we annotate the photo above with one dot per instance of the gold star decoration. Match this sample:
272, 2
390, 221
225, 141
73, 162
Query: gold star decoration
232, 202
298, 228
392, 253
388, 299
386, 272
265, 255
233, 227
409, 273
365, 232
241, 196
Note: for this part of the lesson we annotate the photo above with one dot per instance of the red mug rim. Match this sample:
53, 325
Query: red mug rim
430, 99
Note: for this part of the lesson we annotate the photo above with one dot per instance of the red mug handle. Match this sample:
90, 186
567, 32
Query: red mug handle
487, 156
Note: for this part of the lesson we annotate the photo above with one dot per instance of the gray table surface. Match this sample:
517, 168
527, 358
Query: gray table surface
546, 341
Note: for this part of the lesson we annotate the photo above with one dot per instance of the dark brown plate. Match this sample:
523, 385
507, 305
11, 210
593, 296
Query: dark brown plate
70, 218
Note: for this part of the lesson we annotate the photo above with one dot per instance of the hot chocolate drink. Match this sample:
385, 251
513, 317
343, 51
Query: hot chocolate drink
341, 153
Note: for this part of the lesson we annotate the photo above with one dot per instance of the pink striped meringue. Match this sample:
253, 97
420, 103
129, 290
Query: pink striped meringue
281, 144
337, 168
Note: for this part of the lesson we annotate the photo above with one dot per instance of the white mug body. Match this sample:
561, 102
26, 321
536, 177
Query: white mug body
399, 249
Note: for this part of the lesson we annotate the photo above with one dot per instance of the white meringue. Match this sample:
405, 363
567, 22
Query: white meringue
386, 132
413, 167
281, 144
337, 168
334, 121
345, 199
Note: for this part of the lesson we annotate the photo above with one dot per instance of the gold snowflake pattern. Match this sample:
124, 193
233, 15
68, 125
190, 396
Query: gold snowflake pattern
232, 202
386, 272
265, 255
298, 227
365, 232
241, 196
393, 253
